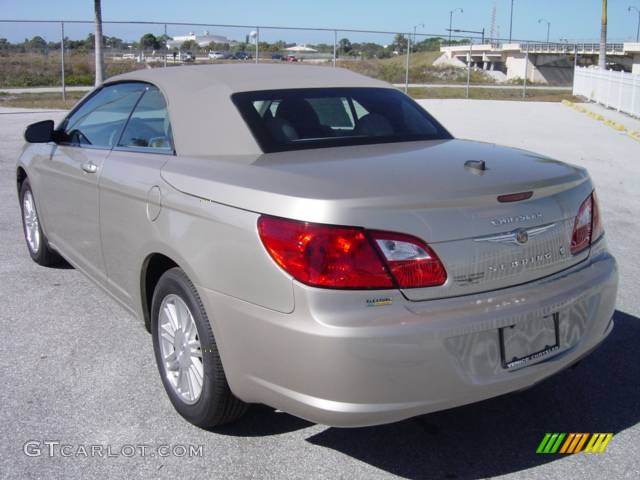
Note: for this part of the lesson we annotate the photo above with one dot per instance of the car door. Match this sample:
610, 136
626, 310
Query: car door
130, 193
70, 186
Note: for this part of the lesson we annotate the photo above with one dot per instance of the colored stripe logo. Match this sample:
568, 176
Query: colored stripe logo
574, 443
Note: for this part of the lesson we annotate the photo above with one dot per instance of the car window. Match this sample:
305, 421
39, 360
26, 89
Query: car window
332, 111
149, 125
312, 118
99, 121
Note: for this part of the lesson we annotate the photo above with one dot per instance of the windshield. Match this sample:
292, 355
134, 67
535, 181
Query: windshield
327, 117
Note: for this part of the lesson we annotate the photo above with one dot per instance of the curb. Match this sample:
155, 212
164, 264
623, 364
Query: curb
634, 134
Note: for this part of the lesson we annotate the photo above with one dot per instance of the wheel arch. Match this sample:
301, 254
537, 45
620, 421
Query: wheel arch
154, 265
21, 176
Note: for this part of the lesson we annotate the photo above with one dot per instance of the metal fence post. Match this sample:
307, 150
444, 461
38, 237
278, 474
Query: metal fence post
257, 42
166, 48
469, 68
64, 93
335, 46
406, 74
526, 72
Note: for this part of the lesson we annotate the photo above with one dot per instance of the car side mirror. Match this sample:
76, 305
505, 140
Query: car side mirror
39, 132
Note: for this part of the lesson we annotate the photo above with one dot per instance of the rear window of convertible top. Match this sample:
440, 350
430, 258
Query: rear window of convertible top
297, 119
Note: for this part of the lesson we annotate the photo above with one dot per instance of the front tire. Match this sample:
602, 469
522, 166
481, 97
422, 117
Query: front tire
34, 237
187, 355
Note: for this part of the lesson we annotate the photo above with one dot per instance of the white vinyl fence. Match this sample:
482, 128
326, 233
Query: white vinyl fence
619, 90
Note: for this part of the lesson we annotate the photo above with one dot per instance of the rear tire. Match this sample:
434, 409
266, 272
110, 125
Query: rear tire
34, 237
188, 361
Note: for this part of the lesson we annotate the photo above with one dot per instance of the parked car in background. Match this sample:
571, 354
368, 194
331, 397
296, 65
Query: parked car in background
312, 239
216, 55
291, 58
277, 56
184, 57
242, 56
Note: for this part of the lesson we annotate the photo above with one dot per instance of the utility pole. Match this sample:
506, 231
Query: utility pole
414, 32
638, 30
166, 48
548, 26
98, 43
451, 20
511, 22
602, 60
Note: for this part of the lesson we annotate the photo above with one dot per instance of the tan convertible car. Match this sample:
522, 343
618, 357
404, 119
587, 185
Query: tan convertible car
312, 239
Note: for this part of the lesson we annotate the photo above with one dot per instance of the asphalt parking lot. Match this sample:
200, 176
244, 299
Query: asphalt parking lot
79, 370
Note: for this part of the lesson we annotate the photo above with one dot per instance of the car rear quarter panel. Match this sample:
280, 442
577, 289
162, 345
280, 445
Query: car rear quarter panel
216, 245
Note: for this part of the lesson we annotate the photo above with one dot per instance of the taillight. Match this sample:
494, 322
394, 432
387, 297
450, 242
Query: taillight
597, 230
349, 257
587, 227
323, 255
411, 262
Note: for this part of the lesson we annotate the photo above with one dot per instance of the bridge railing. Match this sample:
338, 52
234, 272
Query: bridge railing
571, 47
618, 90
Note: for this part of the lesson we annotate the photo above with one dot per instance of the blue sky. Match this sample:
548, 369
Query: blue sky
577, 20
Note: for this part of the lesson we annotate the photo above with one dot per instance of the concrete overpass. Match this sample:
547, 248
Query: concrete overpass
540, 62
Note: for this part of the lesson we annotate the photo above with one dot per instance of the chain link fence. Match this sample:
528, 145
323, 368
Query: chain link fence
60, 54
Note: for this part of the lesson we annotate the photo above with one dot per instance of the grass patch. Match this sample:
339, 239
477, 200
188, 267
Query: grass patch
40, 100
36, 70
493, 94
421, 70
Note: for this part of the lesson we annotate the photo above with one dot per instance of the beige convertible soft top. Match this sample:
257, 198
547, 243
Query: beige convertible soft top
204, 120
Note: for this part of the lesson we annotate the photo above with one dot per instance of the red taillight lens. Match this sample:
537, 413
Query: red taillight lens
345, 257
581, 237
587, 227
411, 262
322, 255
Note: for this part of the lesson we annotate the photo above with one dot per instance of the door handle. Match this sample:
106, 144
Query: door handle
89, 167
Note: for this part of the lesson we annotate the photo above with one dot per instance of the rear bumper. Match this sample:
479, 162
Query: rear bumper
338, 362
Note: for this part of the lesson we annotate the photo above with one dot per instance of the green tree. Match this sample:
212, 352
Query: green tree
162, 40
399, 43
264, 47
217, 47
113, 42
36, 43
149, 42
189, 45
323, 47
90, 41
427, 45
345, 45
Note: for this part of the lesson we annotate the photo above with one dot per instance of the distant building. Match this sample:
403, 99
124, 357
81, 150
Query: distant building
202, 40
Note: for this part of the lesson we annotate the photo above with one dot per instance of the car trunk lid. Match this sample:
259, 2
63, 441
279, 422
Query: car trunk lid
435, 190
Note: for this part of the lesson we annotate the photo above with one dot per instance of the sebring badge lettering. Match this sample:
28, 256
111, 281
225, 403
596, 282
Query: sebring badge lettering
499, 221
521, 262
